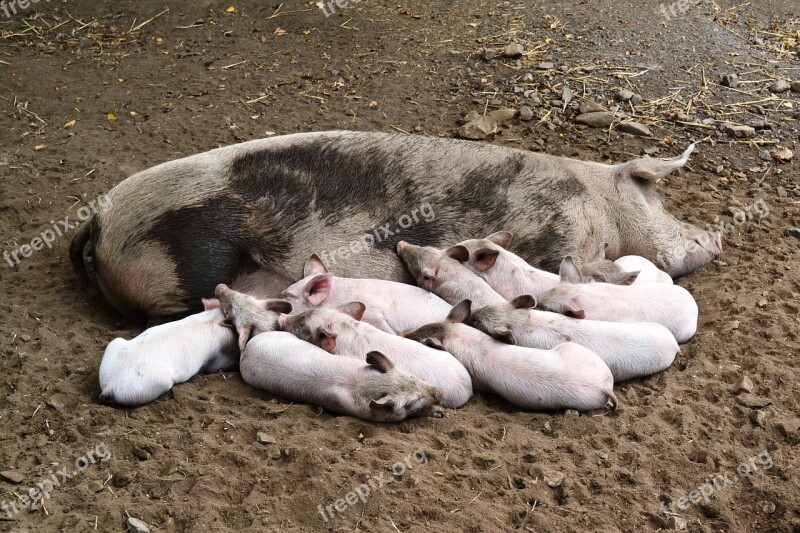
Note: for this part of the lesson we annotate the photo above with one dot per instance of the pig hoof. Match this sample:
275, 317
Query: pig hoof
436, 412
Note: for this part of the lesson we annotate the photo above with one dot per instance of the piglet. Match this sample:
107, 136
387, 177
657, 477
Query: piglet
568, 376
648, 272
340, 331
284, 365
443, 273
629, 349
137, 371
669, 305
509, 275
249, 315
391, 306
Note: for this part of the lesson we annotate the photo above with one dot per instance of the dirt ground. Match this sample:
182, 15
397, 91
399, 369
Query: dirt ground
92, 92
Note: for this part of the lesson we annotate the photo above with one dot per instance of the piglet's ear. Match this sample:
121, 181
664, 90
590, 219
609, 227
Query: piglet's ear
279, 306
501, 238
484, 259
569, 272
379, 361
210, 303
318, 289
383, 405
353, 309
244, 336
504, 334
526, 301
623, 278
433, 342
573, 310
460, 312
458, 252
314, 266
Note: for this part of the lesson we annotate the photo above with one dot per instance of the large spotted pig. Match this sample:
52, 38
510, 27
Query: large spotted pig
250, 214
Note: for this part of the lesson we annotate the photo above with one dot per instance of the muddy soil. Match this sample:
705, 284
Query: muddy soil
92, 92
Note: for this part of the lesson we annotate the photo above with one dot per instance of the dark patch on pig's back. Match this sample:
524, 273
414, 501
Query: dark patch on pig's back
337, 182
206, 243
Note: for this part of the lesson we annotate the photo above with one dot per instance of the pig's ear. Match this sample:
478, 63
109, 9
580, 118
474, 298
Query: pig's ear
573, 310
383, 405
600, 253
282, 321
623, 278
379, 361
428, 278
501, 238
210, 303
460, 312
279, 306
326, 339
318, 289
484, 259
569, 272
653, 170
526, 301
504, 334
433, 343
314, 266
244, 336
353, 309
458, 252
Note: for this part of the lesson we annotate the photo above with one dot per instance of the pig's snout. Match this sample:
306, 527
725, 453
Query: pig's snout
401, 245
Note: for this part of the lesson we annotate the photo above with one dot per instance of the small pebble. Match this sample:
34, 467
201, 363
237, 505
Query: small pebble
753, 402
265, 438
780, 86
546, 65
513, 50
730, 80
525, 113
571, 413
12, 476
745, 385
135, 525
759, 418
553, 478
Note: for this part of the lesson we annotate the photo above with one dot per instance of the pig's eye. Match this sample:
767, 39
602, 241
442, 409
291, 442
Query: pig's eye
321, 335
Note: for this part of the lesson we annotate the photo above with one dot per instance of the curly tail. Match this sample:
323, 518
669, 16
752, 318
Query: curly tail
612, 401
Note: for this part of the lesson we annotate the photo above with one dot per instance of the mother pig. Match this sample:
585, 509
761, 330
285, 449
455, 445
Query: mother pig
251, 214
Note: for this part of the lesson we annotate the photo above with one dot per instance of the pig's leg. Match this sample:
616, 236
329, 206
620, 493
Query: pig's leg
376, 318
